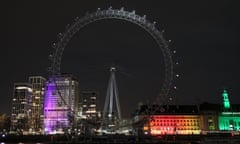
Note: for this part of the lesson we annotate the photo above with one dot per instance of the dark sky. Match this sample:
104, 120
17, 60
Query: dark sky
204, 33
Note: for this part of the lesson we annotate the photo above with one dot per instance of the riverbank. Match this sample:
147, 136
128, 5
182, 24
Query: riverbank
165, 139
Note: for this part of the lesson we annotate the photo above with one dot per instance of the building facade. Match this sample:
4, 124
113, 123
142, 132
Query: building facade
38, 86
172, 119
21, 108
173, 124
229, 116
186, 119
229, 121
209, 117
4, 122
61, 104
88, 106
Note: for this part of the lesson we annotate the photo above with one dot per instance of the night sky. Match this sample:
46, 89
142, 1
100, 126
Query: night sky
205, 35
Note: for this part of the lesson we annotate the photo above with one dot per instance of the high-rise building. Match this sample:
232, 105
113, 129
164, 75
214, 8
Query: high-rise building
61, 103
38, 85
21, 109
89, 105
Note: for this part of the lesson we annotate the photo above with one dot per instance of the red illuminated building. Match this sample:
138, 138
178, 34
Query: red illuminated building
169, 119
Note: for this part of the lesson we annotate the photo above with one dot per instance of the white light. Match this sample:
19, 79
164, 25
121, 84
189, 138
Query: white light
231, 113
29, 89
37, 92
91, 111
177, 75
20, 87
113, 69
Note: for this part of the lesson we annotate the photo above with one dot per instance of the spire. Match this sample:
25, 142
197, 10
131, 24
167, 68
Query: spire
226, 102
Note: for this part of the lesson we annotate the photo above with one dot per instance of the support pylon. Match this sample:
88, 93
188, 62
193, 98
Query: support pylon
111, 117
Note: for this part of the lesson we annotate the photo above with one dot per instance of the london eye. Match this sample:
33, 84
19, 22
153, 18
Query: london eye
123, 15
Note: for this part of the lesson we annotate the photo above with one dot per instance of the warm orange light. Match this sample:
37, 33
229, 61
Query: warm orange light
173, 124
145, 128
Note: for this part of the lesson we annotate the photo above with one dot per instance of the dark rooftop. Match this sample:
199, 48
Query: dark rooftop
168, 109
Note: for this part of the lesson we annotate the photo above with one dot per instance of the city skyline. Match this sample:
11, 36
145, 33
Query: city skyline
204, 34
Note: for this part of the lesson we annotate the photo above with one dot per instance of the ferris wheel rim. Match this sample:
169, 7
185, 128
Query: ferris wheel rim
119, 14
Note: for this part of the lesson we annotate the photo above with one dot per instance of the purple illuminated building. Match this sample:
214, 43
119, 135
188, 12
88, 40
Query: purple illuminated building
61, 102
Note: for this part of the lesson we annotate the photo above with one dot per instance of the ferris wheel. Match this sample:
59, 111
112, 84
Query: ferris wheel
121, 14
